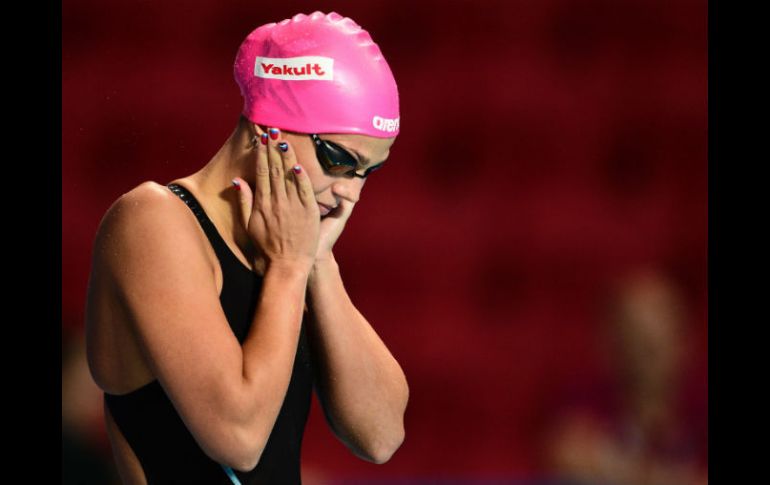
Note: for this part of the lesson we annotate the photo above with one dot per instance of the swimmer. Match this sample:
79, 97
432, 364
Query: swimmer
215, 304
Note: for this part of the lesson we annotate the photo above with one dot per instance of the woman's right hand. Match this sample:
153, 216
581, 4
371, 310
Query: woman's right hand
282, 216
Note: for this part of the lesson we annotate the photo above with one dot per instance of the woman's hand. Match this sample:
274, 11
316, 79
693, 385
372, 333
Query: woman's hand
331, 228
282, 216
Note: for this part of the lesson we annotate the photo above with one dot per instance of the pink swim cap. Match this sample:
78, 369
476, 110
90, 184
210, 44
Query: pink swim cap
317, 74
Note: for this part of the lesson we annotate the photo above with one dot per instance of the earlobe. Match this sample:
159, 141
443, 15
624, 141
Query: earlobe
254, 136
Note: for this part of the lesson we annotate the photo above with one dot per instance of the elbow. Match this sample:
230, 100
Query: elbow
252, 447
248, 438
244, 464
385, 452
244, 459
233, 436
387, 448
244, 451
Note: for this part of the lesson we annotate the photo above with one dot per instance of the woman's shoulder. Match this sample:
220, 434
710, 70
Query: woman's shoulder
147, 193
146, 215
148, 202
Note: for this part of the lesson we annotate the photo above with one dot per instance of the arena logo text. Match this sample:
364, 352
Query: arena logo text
386, 124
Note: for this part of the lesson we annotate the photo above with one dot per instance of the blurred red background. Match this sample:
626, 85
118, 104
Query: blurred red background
546, 148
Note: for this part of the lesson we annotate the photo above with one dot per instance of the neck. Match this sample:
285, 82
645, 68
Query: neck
234, 159
213, 184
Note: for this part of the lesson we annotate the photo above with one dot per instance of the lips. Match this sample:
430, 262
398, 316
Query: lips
324, 209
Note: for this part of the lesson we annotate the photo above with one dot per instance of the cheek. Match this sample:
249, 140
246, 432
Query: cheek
313, 169
319, 179
317, 182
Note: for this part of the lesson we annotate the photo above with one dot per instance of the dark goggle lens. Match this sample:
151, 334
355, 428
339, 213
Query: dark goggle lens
337, 160
349, 171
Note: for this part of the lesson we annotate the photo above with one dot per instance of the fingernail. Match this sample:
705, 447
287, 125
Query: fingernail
283, 146
274, 132
264, 138
297, 168
236, 184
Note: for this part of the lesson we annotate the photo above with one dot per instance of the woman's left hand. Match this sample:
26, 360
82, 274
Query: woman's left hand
331, 228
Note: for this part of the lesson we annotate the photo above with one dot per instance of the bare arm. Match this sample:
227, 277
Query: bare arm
227, 395
362, 388
269, 350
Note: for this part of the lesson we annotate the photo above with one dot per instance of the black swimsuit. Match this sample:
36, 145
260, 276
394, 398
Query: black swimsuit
147, 418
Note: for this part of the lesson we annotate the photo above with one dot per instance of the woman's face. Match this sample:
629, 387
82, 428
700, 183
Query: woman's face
329, 189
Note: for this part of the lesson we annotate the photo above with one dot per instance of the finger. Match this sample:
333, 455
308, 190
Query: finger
245, 200
344, 210
305, 189
262, 184
255, 136
277, 174
289, 160
347, 207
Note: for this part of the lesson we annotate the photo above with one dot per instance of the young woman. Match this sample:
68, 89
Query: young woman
215, 305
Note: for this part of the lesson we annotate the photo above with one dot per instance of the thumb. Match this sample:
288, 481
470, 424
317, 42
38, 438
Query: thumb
245, 199
346, 209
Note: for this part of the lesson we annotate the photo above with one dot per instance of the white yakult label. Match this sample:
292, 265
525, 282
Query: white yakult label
386, 124
295, 68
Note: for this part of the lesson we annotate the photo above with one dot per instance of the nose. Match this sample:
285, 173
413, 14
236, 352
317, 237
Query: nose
348, 188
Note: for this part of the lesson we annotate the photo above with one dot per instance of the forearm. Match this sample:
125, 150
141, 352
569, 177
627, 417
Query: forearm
269, 349
362, 386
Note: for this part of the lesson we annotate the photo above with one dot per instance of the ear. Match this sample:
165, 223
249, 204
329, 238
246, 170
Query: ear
255, 133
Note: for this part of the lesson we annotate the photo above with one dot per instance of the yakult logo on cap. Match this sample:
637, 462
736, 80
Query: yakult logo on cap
386, 124
295, 68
